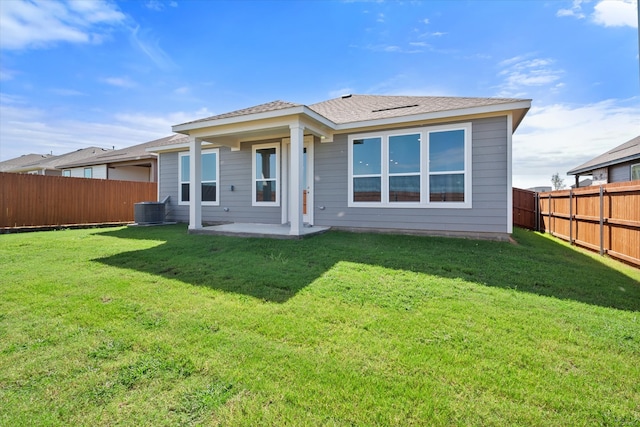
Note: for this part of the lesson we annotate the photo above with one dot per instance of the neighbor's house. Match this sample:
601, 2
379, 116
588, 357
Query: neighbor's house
438, 165
619, 164
133, 163
38, 164
26, 159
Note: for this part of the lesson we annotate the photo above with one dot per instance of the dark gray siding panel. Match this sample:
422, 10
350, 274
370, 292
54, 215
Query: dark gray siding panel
489, 189
621, 172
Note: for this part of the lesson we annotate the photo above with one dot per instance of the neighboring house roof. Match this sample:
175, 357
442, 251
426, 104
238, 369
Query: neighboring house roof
338, 113
26, 159
54, 162
628, 151
133, 153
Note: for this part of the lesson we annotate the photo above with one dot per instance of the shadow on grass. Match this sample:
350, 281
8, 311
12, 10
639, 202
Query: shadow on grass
275, 270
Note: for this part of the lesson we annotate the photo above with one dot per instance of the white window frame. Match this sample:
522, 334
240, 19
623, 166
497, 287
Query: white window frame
215, 151
424, 168
277, 180
637, 165
66, 172
84, 173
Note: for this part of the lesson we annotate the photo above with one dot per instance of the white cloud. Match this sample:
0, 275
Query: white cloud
608, 13
182, 90
39, 23
575, 10
616, 13
24, 129
559, 137
143, 40
520, 73
6, 74
425, 21
66, 92
124, 82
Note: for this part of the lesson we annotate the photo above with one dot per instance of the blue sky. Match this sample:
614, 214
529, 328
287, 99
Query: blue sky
117, 73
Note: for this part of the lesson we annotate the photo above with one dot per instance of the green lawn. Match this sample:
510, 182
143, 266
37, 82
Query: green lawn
151, 326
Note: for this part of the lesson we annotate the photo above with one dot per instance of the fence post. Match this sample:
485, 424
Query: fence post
549, 207
571, 216
536, 223
601, 220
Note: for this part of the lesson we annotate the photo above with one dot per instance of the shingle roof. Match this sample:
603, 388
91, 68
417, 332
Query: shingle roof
135, 152
262, 108
26, 159
630, 150
356, 108
53, 162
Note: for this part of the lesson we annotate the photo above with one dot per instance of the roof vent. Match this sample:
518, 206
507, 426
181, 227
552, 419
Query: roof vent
346, 95
394, 108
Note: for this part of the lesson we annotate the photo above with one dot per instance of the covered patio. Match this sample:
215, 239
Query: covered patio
296, 127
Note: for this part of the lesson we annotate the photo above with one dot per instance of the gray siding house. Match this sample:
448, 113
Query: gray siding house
619, 164
432, 165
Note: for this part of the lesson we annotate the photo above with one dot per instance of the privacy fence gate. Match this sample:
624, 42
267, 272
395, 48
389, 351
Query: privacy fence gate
602, 218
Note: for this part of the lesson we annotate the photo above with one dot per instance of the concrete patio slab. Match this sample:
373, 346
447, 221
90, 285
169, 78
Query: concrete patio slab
272, 231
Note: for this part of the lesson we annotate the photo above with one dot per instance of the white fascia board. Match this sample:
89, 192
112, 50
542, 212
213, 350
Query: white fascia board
319, 118
176, 147
447, 114
184, 128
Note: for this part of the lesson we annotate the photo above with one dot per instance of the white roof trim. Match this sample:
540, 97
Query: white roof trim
437, 115
178, 147
184, 128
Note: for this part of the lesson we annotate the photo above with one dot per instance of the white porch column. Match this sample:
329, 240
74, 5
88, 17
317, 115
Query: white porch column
195, 187
295, 183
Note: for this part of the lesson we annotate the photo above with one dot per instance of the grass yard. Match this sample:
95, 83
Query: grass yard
151, 326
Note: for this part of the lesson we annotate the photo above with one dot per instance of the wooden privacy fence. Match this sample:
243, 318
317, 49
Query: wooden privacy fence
524, 208
605, 218
37, 200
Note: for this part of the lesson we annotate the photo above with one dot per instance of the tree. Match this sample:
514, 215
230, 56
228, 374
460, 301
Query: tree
557, 182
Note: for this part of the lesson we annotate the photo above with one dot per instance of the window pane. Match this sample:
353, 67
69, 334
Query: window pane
208, 167
185, 193
208, 191
404, 154
367, 156
404, 188
446, 151
446, 188
184, 164
367, 189
266, 163
88, 173
265, 191
635, 172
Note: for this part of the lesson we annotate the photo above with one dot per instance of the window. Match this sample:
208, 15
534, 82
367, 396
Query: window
266, 172
367, 170
635, 172
209, 178
446, 166
425, 167
88, 172
404, 168
66, 172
